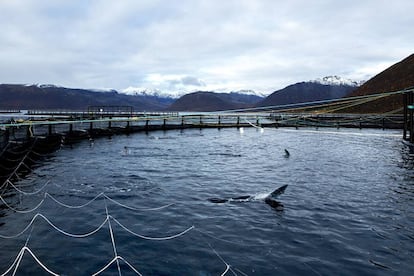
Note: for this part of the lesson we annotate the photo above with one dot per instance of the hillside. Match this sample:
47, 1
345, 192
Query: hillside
303, 92
15, 96
397, 77
211, 101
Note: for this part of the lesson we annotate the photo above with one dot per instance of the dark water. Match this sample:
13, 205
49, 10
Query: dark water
348, 209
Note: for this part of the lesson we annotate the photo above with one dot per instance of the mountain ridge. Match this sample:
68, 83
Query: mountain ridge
303, 92
397, 77
49, 96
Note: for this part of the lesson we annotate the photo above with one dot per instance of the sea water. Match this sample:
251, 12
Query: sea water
139, 204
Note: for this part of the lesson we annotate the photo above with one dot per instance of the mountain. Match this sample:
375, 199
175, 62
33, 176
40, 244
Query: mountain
337, 80
323, 89
176, 94
211, 101
397, 77
151, 92
17, 96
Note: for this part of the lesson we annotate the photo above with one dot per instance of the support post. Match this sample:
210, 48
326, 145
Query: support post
405, 105
410, 115
29, 132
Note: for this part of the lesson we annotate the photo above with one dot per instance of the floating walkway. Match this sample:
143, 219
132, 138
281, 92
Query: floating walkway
73, 126
80, 125
23, 138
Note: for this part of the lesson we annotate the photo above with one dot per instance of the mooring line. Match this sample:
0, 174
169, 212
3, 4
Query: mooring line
112, 239
152, 238
218, 255
23, 211
74, 206
29, 193
38, 261
112, 261
55, 227
16, 261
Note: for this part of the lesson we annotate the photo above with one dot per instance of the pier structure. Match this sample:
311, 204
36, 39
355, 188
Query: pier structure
107, 121
27, 137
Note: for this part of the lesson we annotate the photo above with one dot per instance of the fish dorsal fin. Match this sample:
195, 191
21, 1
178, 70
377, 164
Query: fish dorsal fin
278, 191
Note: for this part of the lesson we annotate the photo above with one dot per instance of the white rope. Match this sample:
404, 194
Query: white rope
56, 228
74, 206
75, 235
21, 233
112, 261
238, 271
253, 125
152, 238
71, 206
20, 211
38, 261
218, 255
110, 199
112, 239
28, 193
225, 271
18, 259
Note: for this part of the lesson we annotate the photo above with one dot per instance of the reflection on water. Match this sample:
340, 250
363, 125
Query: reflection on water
141, 201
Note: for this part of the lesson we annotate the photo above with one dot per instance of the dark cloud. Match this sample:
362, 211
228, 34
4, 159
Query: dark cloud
243, 44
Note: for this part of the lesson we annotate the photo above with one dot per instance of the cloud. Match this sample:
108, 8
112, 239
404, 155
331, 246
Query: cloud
262, 45
172, 82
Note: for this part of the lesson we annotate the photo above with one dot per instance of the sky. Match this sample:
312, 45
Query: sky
200, 45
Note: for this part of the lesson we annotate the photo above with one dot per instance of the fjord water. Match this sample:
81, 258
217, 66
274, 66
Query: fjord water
348, 209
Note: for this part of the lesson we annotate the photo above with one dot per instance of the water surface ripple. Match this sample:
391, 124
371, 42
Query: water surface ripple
348, 209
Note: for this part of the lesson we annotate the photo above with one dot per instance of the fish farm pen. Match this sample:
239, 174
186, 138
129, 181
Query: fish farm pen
28, 137
23, 134
45, 131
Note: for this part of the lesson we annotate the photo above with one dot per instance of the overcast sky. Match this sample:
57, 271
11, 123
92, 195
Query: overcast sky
200, 45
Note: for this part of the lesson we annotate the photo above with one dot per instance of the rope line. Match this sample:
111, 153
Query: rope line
19, 257
253, 125
112, 261
153, 238
16, 261
218, 255
112, 239
28, 193
23, 211
55, 227
73, 206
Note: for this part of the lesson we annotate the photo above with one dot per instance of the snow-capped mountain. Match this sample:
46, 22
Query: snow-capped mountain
336, 80
142, 91
40, 85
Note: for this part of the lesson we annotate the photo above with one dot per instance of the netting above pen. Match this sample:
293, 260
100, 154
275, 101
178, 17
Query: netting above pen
13, 191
